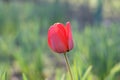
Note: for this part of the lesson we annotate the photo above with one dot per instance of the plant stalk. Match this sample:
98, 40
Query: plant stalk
68, 66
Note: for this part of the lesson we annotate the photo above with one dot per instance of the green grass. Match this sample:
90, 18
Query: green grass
23, 46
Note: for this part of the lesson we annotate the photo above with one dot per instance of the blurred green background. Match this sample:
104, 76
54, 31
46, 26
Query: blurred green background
24, 53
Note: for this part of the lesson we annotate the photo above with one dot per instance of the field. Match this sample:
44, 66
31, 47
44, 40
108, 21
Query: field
24, 51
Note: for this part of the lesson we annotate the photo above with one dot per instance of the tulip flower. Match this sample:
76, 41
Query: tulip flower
60, 37
60, 40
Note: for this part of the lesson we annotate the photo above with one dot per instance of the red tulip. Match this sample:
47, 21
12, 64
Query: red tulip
60, 37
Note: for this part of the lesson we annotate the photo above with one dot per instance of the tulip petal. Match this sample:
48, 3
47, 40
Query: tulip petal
69, 33
57, 39
62, 34
56, 44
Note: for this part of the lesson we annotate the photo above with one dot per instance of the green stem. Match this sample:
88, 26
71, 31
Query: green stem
68, 66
